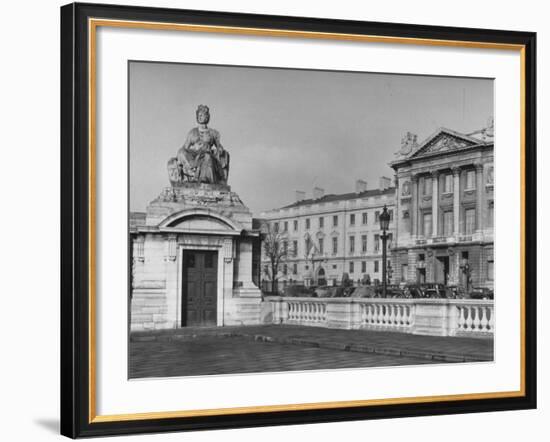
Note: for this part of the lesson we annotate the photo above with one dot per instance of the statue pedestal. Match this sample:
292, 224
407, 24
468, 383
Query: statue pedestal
217, 198
187, 221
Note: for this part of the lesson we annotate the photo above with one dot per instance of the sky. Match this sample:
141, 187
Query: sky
289, 129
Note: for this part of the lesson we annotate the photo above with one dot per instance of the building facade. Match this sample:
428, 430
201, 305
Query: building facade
441, 228
329, 235
444, 206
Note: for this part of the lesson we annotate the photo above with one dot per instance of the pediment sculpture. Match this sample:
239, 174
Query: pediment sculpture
408, 144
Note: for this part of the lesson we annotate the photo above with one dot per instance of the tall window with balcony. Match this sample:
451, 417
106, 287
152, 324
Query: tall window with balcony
352, 244
470, 180
285, 226
351, 267
295, 225
352, 219
294, 248
363, 266
448, 220
321, 222
469, 221
308, 223
276, 227
365, 218
376, 243
334, 245
364, 243
426, 186
448, 183
427, 224
335, 221
321, 246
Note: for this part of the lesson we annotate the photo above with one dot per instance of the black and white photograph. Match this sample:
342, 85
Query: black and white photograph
296, 219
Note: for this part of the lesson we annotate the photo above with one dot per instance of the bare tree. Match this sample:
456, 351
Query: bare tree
275, 245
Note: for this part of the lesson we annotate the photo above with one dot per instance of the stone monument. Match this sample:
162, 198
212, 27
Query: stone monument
196, 257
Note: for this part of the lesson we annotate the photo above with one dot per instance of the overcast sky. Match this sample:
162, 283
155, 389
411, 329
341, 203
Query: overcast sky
290, 130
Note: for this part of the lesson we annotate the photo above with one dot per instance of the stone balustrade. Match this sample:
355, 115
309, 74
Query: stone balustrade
436, 317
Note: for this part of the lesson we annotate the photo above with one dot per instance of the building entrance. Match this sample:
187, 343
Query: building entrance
200, 288
442, 270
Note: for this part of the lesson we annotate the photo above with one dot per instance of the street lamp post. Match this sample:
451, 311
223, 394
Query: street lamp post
384, 219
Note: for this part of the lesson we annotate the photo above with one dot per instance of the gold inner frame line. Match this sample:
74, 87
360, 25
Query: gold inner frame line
93, 24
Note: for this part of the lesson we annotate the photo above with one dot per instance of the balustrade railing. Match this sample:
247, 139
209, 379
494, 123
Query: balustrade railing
476, 318
438, 317
306, 312
389, 314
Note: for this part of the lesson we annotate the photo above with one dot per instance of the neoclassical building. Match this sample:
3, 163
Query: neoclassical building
444, 205
329, 235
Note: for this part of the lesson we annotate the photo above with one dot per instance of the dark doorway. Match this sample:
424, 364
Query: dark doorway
442, 270
321, 280
421, 276
200, 288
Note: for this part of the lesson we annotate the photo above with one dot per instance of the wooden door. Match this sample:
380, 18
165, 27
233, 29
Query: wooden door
200, 288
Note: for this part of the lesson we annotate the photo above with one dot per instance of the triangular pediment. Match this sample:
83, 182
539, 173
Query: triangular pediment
444, 140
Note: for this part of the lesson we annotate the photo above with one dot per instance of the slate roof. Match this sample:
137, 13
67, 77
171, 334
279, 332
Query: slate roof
340, 197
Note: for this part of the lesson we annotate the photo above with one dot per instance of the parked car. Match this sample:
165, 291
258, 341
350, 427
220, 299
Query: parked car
364, 291
298, 291
481, 293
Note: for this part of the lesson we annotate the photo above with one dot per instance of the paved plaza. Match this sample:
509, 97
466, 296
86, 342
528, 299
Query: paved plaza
255, 349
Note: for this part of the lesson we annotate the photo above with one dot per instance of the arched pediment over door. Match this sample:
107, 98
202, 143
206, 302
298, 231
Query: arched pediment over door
200, 220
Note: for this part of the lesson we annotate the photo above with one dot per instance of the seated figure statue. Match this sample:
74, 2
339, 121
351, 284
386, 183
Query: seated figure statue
202, 158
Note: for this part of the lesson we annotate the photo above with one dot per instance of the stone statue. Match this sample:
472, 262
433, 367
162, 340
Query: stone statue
408, 143
202, 158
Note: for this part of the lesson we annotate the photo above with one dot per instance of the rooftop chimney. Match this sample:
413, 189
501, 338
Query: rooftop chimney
318, 193
360, 186
300, 195
385, 183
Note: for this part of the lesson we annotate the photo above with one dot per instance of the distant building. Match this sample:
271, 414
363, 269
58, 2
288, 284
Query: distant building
444, 209
329, 235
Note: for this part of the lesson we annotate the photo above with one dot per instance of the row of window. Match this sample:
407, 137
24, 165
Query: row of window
320, 246
426, 183
362, 265
447, 228
321, 221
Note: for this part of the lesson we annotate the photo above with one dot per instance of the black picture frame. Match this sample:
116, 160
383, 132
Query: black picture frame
76, 249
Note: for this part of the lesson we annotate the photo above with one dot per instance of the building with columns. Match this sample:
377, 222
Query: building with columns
329, 235
444, 206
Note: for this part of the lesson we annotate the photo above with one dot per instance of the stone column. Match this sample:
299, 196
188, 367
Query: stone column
456, 200
414, 206
435, 203
479, 196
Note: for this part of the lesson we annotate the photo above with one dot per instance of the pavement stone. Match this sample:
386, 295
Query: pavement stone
437, 348
215, 355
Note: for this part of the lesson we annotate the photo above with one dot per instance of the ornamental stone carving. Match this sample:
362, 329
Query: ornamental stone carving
408, 144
